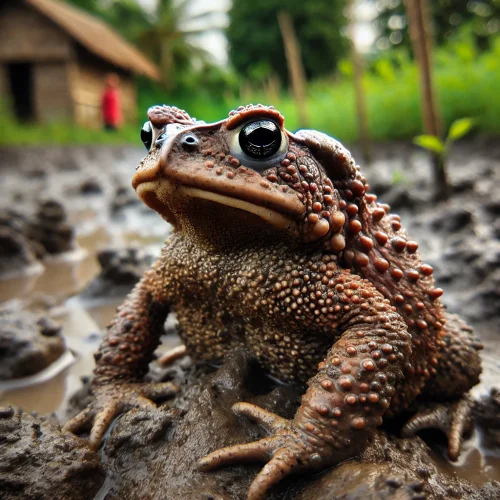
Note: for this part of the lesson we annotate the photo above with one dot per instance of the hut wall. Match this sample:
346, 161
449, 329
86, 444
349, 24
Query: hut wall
86, 90
31, 39
129, 99
28, 37
52, 97
88, 79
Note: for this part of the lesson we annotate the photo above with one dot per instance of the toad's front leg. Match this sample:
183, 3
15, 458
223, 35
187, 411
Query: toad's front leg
123, 359
345, 401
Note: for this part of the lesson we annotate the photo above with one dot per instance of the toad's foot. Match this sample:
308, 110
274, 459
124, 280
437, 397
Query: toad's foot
172, 354
454, 419
111, 400
288, 450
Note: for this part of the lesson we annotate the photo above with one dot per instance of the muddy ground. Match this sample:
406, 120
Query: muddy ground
152, 454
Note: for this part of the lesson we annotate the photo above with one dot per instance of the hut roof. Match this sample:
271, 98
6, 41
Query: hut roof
96, 36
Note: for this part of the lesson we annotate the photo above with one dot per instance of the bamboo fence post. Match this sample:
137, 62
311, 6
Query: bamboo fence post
295, 66
419, 22
359, 90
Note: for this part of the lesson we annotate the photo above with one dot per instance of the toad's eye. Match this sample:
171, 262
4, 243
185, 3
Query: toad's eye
260, 139
147, 135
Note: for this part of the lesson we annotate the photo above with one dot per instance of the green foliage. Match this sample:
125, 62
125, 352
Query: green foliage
448, 17
21, 134
458, 129
169, 45
392, 94
398, 178
430, 142
91, 6
128, 18
256, 45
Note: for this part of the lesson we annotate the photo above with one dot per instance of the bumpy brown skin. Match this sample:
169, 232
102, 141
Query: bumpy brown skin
285, 257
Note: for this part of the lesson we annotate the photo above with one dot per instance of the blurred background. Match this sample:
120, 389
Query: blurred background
411, 87
211, 56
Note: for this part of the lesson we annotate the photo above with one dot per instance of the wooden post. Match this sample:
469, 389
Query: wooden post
359, 91
295, 67
272, 89
419, 22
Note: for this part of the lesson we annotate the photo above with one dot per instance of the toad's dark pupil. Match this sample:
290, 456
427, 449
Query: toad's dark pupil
260, 139
147, 135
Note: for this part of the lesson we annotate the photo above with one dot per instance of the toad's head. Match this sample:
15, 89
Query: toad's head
246, 176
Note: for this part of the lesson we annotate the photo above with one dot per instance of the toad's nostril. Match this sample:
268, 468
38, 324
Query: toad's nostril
161, 139
189, 142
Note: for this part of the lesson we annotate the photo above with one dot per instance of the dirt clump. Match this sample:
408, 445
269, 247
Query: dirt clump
28, 343
38, 462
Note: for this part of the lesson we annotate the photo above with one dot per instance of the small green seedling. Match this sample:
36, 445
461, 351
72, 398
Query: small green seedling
398, 177
440, 150
459, 128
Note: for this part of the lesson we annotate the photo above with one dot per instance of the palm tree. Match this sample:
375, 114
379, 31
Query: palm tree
170, 45
164, 34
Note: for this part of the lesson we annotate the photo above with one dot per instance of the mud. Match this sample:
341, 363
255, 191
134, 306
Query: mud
199, 420
154, 453
120, 271
28, 343
16, 253
27, 237
37, 462
487, 418
459, 236
49, 229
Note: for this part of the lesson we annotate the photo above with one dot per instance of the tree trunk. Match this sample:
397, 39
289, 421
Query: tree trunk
359, 91
295, 67
419, 22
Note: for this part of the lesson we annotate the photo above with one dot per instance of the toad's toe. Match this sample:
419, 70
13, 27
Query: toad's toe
454, 419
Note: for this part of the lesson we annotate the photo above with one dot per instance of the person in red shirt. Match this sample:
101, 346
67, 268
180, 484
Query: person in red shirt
111, 104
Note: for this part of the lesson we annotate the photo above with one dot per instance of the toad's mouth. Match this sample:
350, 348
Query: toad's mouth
156, 194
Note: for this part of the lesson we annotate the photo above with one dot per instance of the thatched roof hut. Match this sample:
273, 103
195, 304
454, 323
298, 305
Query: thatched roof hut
54, 59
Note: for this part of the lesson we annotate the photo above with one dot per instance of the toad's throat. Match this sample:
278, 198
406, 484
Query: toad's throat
155, 193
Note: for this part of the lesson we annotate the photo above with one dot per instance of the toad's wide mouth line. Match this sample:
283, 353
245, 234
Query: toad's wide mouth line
161, 187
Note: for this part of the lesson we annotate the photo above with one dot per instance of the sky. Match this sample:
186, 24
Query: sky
364, 31
215, 42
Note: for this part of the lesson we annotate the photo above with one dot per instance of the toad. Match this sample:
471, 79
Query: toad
278, 248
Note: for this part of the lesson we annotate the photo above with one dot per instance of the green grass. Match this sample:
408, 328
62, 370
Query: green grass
467, 83
21, 134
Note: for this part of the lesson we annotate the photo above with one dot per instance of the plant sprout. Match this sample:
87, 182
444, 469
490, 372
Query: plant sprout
441, 149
